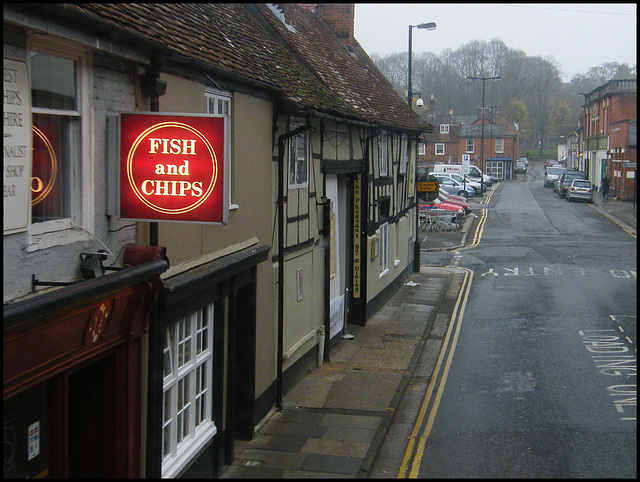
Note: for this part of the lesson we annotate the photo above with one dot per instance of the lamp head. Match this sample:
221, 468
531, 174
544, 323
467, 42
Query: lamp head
428, 26
419, 102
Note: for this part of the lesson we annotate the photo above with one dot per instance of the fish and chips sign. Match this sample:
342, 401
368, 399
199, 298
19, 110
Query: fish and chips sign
172, 168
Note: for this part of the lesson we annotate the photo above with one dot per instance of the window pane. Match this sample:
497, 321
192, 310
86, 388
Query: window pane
167, 422
53, 82
53, 144
168, 351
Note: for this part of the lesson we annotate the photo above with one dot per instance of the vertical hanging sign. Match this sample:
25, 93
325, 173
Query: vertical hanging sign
357, 223
172, 168
17, 146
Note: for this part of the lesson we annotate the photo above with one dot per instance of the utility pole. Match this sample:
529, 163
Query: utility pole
483, 79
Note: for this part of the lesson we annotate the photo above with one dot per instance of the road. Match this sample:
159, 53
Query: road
539, 379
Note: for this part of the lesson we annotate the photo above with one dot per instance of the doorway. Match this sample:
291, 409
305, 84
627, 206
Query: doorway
92, 420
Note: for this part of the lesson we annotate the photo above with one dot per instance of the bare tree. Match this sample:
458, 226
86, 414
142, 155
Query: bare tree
544, 84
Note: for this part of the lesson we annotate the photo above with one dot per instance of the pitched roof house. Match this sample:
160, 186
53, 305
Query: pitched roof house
317, 157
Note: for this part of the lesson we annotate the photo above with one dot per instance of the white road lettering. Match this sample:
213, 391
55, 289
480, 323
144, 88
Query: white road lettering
559, 271
613, 358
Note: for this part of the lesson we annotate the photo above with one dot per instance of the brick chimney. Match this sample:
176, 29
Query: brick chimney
340, 17
432, 103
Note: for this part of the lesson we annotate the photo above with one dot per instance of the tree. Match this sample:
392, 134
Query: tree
516, 110
563, 119
530, 88
545, 82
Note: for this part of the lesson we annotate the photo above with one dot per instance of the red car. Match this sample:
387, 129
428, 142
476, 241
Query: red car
459, 200
446, 205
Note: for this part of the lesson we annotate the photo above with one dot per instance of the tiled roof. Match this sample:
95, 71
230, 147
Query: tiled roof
304, 60
475, 130
436, 117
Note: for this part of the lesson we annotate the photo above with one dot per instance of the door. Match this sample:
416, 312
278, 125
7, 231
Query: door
91, 417
336, 192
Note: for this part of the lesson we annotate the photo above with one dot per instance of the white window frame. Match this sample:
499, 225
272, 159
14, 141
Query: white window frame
59, 232
470, 143
422, 149
444, 128
439, 149
404, 155
384, 249
383, 155
499, 145
200, 328
218, 102
298, 153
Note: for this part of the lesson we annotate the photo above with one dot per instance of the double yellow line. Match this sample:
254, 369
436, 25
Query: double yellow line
480, 229
417, 440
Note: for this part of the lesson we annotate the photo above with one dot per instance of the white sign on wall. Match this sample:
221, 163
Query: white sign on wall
17, 146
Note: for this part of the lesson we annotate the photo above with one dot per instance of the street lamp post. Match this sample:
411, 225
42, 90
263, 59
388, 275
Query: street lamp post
416, 243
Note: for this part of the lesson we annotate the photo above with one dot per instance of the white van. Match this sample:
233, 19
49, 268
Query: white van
474, 173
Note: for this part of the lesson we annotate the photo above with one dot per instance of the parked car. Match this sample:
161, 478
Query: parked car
520, 166
565, 181
460, 201
525, 160
551, 174
580, 189
475, 184
550, 162
456, 211
451, 186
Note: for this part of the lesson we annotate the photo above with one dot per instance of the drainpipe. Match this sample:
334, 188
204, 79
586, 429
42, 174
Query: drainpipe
281, 174
326, 233
154, 88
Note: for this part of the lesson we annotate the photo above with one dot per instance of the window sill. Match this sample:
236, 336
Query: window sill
171, 466
383, 273
44, 240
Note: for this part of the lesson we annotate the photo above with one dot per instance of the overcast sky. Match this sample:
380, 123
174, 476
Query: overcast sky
578, 36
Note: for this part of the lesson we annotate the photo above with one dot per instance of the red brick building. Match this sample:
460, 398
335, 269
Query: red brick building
608, 112
454, 137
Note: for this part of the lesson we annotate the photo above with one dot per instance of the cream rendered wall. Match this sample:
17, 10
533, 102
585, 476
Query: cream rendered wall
251, 174
303, 314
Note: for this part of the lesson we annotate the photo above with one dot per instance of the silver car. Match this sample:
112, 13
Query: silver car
465, 180
552, 173
580, 189
451, 186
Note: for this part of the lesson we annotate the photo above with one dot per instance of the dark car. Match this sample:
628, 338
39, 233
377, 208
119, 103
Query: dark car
567, 177
520, 167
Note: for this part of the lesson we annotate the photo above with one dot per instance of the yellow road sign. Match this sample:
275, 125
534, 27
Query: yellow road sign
428, 186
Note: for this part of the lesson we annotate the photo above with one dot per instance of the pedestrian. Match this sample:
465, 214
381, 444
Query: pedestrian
605, 187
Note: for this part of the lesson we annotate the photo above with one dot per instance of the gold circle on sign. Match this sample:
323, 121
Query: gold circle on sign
54, 168
98, 322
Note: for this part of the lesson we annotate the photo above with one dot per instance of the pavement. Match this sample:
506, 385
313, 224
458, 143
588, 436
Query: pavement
334, 421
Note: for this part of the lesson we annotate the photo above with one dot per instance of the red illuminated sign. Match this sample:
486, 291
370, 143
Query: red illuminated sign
172, 168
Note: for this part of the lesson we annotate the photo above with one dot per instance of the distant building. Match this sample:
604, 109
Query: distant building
456, 136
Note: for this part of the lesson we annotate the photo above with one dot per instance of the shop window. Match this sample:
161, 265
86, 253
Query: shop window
56, 185
298, 158
187, 392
